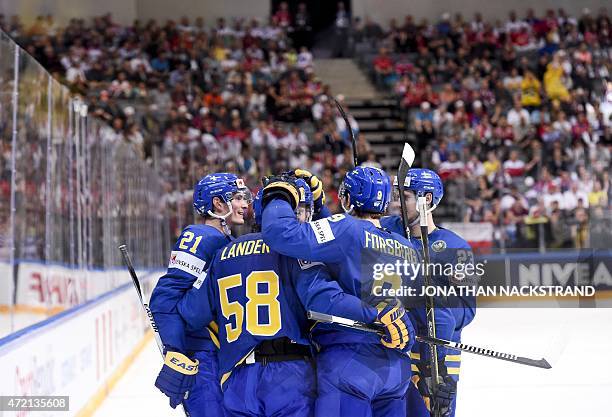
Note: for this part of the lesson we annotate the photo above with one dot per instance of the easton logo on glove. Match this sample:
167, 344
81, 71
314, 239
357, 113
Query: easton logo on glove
181, 363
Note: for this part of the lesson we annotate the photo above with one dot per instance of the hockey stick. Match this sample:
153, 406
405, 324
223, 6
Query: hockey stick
402, 172
128, 263
373, 328
350, 129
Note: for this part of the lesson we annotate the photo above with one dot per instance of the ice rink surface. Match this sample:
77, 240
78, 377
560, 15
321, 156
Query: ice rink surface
577, 343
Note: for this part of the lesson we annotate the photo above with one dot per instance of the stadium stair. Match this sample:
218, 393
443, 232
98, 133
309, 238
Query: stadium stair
345, 77
381, 124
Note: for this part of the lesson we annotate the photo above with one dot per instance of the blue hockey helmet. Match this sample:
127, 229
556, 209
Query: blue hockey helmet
219, 184
423, 181
306, 200
369, 189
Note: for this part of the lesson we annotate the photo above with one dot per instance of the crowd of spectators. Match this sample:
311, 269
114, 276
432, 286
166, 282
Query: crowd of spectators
237, 96
515, 115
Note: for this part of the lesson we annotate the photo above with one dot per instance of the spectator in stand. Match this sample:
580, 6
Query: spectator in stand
282, 17
580, 229
452, 168
341, 26
598, 197
514, 167
383, 68
554, 80
530, 92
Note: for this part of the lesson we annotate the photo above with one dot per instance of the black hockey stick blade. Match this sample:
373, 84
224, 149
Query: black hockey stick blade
538, 363
350, 129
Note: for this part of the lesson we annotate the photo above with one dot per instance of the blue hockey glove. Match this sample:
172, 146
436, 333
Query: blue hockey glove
399, 331
282, 187
447, 389
176, 377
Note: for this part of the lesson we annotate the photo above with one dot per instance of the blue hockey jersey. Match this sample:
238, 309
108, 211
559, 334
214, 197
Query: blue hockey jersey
189, 260
351, 248
445, 248
255, 293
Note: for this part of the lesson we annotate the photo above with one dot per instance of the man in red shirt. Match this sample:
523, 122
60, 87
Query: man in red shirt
514, 166
383, 68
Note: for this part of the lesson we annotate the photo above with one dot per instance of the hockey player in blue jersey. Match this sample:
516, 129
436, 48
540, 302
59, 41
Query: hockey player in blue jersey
446, 248
222, 200
259, 299
356, 375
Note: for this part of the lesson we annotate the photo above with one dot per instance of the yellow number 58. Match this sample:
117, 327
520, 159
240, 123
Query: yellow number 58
257, 298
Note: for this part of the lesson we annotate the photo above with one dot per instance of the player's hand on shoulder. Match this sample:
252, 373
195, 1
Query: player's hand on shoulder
399, 331
177, 376
281, 187
316, 187
446, 390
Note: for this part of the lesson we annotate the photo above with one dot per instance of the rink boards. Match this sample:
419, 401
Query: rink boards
76, 352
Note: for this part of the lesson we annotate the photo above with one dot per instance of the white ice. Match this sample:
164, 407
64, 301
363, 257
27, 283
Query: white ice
576, 342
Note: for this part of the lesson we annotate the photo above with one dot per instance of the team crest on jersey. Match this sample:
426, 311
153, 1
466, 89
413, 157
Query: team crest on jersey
438, 245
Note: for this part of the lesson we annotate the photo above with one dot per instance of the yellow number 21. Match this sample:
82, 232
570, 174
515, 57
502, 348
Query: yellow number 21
257, 298
187, 238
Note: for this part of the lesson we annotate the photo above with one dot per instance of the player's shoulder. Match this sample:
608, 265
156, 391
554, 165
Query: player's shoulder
204, 230
200, 240
328, 228
392, 223
450, 238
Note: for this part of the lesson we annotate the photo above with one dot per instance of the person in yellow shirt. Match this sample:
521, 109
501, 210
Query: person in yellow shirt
530, 91
491, 165
598, 196
553, 81
219, 52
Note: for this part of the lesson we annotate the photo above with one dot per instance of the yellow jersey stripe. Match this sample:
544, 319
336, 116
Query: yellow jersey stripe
214, 338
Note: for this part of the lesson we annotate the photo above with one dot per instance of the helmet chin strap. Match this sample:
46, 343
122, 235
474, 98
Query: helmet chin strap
416, 220
223, 218
348, 210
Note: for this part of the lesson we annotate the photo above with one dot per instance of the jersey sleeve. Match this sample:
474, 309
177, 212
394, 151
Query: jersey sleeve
393, 224
322, 240
465, 256
188, 262
320, 293
323, 213
197, 307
